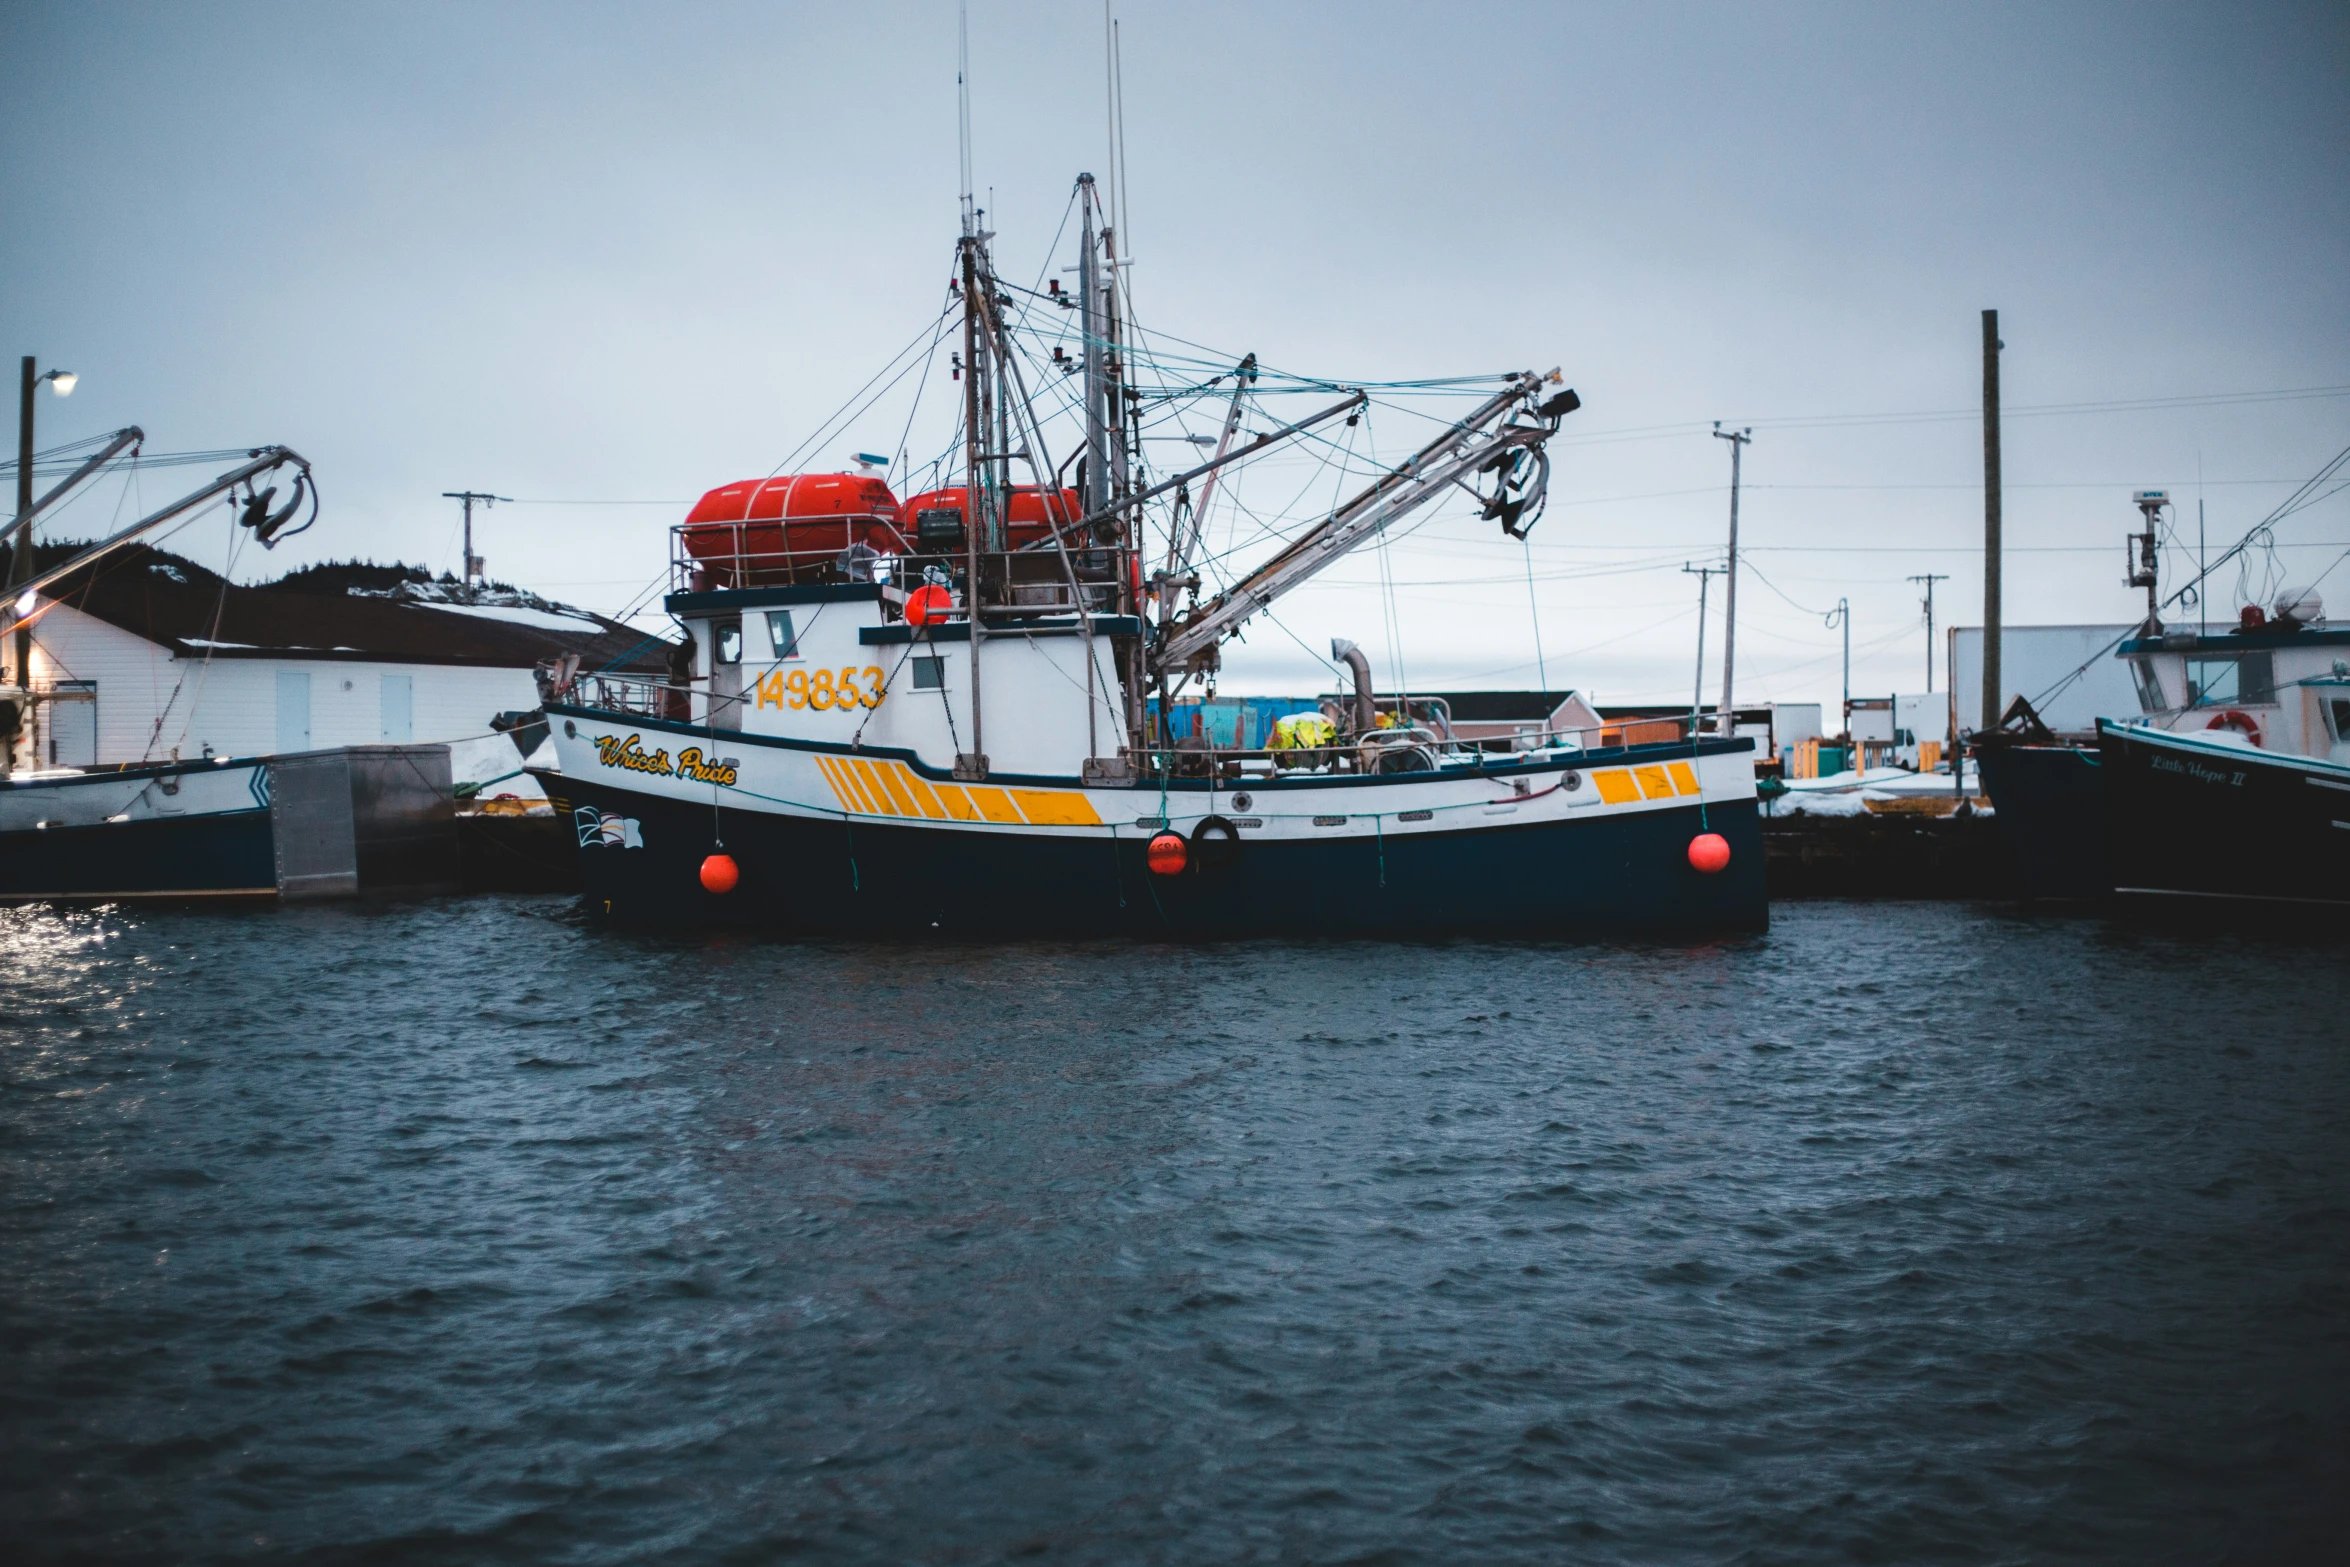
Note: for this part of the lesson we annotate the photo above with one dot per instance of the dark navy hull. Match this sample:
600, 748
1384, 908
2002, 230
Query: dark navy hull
210, 855
2235, 823
2050, 800
1619, 875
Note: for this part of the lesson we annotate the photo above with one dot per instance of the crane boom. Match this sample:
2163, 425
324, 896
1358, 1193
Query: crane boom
265, 460
128, 436
1182, 541
1492, 439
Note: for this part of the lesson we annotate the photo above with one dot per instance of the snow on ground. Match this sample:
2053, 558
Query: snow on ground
485, 760
515, 614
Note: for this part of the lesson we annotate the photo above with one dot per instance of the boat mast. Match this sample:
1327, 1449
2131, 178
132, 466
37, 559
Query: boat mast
1125, 531
972, 764
1106, 495
1094, 494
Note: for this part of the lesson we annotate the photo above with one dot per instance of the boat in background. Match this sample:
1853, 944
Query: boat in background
316, 824
2219, 786
2049, 797
2211, 814
341, 823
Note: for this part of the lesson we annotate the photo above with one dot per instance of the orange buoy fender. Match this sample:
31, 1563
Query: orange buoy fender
1168, 854
720, 873
1709, 852
928, 605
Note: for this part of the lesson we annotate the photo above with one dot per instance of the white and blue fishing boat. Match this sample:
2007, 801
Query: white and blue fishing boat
936, 715
310, 824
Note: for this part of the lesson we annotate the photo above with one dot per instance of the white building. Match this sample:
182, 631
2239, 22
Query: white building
2069, 673
149, 656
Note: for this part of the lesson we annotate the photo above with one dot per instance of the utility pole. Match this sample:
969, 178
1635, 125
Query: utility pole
22, 560
1929, 579
1704, 576
472, 561
1991, 683
1738, 440
1841, 615
20, 565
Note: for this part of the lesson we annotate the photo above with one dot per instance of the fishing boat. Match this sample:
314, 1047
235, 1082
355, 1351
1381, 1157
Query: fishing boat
937, 714
287, 827
2207, 814
2232, 780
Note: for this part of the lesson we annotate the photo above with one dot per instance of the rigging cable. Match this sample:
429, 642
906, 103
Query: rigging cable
2302, 498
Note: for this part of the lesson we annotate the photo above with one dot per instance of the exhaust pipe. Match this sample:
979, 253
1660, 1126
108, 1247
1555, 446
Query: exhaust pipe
1366, 713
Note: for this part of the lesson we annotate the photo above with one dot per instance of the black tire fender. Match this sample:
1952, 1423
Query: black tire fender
1215, 844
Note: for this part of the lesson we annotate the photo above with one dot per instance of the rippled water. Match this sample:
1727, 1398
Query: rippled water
464, 1232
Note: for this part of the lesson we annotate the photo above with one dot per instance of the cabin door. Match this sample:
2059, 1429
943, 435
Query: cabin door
73, 724
726, 674
2333, 700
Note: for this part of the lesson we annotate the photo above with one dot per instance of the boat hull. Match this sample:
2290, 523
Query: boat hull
229, 854
172, 830
1536, 848
1628, 875
2188, 816
321, 824
2050, 805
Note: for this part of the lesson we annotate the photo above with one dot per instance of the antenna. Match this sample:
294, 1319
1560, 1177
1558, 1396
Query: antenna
1110, 113
1118, 90
2145, 571
963, 106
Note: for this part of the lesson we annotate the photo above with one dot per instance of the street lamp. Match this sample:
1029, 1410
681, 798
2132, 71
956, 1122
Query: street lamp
20, 565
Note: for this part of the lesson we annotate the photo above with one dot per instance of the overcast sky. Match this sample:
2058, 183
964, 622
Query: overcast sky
591, 256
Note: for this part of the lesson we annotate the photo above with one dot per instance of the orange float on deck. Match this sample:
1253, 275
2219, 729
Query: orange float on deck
791, 528
1026, 519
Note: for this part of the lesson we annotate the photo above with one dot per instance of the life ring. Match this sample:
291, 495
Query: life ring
1215, 843
2237, 719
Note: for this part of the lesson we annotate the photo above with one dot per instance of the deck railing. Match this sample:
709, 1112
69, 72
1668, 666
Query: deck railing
632, 695
1024, 581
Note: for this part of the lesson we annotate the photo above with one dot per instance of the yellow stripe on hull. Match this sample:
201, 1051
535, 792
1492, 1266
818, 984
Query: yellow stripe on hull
891, 788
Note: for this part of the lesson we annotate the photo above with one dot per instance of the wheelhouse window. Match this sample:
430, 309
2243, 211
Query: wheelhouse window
779, 634
2246, 678
726, 641
930, 673
2149, 685
2256, 677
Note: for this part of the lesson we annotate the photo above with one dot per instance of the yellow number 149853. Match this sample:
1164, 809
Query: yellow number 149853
822, 689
